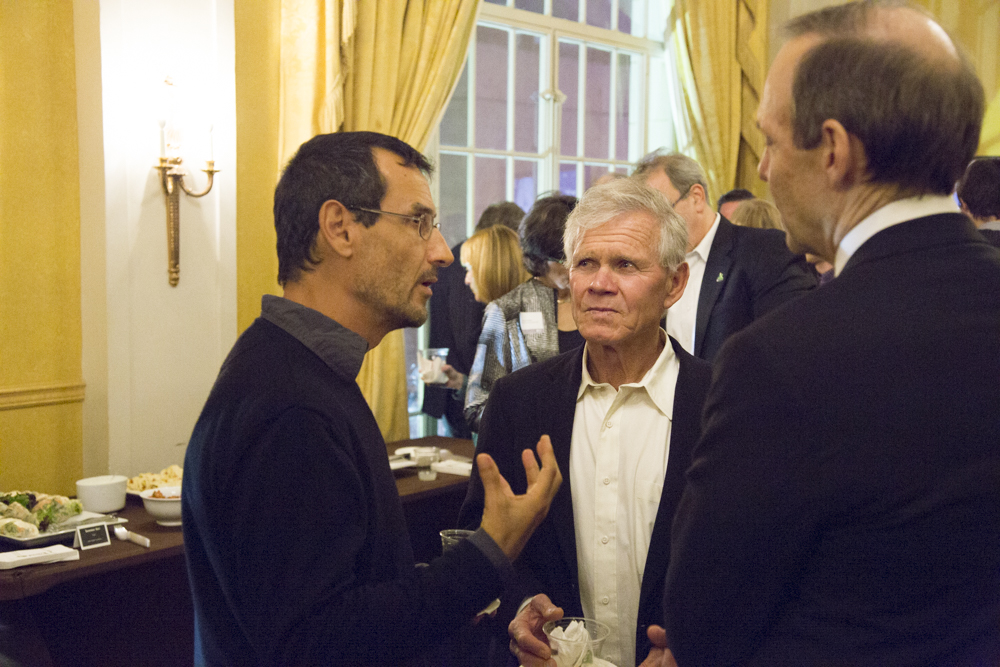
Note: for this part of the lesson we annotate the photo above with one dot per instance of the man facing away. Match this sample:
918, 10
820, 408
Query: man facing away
737, 274
296, 544
843, 505
623, 414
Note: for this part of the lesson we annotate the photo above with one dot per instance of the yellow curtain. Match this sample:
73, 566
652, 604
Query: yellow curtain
381, 65
720, 48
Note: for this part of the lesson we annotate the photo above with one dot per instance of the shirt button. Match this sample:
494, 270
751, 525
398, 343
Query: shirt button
607, 480
608, 425
605, 600
604, 540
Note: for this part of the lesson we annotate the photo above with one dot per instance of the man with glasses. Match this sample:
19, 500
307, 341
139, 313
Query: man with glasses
737, 274
297, 548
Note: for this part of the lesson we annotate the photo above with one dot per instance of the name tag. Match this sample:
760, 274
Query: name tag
532, 322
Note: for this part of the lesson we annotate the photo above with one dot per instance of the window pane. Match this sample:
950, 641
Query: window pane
491, 182
569, 84
623, 170
566, 9
567, 178
455, 123
597, 121
537, 6
453, 180
625, 9
525, 183
599, 13
497, 2
526, 93
491, 88
623, 106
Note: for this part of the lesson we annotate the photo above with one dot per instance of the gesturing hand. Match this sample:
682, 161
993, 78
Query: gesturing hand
509, 519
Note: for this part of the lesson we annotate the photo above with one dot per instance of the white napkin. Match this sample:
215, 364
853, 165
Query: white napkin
453, 467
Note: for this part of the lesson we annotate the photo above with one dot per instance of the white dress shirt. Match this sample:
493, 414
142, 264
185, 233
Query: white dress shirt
682, 318
891, 214
618, 458
992, 225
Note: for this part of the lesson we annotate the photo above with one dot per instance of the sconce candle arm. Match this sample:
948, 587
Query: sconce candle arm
172, 180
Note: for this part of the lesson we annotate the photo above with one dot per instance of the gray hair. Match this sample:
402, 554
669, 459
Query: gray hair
602, 203
683, 172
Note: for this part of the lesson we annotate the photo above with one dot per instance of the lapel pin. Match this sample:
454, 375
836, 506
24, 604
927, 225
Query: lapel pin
719, 279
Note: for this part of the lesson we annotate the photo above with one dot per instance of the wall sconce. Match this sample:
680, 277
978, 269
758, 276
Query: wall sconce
172, 179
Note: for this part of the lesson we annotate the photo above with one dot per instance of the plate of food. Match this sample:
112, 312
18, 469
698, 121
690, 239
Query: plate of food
29, 519
169, 476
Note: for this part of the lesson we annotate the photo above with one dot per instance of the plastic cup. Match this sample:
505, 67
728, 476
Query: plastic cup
569, 652
451, 537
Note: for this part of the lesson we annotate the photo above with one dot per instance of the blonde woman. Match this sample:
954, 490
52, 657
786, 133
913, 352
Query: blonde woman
492, 261
759, 214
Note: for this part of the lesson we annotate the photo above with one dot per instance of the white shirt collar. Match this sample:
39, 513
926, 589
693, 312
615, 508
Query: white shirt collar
705, 246
891, 214
993, 225
660, 391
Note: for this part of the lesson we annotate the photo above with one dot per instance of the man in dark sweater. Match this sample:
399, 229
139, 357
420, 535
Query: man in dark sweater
296, 544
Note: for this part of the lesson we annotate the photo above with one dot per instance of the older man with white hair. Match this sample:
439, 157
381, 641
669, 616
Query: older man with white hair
622, 413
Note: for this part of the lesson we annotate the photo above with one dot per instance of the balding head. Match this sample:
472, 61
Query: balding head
895, 80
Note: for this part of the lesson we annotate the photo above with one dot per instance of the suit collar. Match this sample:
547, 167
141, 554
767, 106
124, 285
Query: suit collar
917, 234
891, 214
717, 266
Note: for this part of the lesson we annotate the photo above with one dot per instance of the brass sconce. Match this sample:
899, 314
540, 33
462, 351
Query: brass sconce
172, 179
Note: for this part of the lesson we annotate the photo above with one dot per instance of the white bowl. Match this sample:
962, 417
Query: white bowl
105, 493
166, 511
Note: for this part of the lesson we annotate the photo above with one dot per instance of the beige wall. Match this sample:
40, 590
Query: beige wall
40, 339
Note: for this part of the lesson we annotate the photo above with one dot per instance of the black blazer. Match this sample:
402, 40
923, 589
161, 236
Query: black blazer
456, 319
541, 399
843, 506
748, 273
991, 235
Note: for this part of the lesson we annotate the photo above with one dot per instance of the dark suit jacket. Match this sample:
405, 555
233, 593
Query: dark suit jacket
991, 235
541, 399
456, 319
843, 506
758, 272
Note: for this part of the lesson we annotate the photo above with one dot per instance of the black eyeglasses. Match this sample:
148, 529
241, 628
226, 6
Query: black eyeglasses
424, 222
683, 196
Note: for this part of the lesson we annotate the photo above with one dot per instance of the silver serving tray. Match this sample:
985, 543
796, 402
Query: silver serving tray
61, 534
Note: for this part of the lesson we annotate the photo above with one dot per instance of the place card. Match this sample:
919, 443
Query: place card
91, 537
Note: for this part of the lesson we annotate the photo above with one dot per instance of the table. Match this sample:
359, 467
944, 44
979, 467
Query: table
127, 605
431, 506
118, 605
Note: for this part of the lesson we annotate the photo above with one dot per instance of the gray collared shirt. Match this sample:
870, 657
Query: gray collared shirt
339, 347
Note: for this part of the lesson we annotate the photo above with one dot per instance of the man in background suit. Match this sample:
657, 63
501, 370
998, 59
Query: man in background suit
729, 202
843, 505
456, 319
622, 413
737, 274
979, 195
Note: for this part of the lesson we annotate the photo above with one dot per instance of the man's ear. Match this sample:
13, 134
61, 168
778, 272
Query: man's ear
337, 228
843, 156
698, 197
677, 282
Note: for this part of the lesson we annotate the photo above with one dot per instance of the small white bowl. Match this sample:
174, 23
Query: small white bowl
105, 493
166, 511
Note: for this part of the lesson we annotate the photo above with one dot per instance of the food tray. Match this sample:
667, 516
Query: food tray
63, 533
